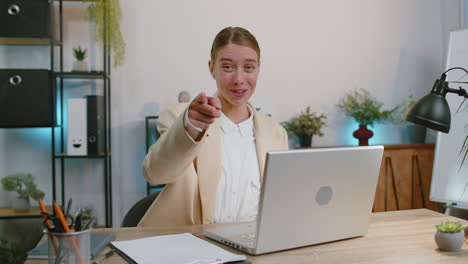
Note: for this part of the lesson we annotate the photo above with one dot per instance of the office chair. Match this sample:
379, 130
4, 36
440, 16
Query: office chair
138, 210
152, 135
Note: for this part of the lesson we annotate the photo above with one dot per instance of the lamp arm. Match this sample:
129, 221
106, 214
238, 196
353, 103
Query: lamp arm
460, 91
455, 68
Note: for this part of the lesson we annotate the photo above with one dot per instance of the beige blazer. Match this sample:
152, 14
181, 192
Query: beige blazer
191, 170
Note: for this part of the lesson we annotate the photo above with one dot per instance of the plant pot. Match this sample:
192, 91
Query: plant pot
304, 140
449, 241
80, 66
21, 204
363, 134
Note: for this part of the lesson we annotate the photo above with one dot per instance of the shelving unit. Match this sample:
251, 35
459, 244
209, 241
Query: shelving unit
58, 79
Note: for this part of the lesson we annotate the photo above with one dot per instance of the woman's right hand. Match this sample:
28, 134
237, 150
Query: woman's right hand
204, 110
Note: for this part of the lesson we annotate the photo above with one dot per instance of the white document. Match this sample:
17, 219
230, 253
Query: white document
174, 249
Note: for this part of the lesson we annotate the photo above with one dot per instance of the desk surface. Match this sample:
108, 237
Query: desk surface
394, 237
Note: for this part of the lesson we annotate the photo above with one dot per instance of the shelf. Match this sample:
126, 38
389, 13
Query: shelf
82, 75
8, 212
11, 127
91, 156
27, 41
53, 45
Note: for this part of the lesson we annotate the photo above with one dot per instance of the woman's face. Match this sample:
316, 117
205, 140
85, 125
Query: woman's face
235, 71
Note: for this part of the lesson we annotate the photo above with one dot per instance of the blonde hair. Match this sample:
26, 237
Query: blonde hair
234, 35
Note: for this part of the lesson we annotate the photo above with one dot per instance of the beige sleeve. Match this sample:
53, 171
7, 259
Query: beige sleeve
173, 152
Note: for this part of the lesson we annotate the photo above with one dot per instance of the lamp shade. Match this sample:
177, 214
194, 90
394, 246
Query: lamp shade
432, 111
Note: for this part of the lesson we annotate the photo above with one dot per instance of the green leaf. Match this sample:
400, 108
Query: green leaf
450, 227
23, 184
110, 9
307, 123
363, 107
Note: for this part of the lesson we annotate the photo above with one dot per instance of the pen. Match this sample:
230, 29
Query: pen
47, 224
103, 257
64, 225
78, 222
67, 212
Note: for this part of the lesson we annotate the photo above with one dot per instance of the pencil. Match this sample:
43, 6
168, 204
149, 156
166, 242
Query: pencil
64, 224
47, 224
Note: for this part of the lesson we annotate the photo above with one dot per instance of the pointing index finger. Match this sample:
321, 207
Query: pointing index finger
202, 99
215, 102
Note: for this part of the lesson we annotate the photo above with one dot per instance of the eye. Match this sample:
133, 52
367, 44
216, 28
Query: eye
228, 67
249, 67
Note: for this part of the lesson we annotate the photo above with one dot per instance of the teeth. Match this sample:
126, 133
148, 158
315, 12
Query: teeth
239, 92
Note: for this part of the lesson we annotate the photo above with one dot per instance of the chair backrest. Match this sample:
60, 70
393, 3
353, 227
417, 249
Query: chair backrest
152, 135
138, 210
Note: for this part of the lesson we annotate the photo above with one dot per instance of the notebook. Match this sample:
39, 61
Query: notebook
174, 249
98, 242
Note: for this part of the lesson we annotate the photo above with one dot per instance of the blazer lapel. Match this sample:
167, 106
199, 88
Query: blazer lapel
209, 170
260, 143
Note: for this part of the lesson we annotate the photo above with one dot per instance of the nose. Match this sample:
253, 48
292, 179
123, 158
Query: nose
239, 77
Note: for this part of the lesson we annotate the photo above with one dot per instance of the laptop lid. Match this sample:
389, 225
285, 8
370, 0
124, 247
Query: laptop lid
314, 196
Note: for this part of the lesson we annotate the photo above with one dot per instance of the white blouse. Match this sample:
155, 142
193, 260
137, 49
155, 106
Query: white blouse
238, 191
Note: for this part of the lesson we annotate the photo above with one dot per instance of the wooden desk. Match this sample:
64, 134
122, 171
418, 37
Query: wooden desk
405, 236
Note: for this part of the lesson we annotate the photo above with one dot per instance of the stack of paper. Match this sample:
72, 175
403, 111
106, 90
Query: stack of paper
174, 249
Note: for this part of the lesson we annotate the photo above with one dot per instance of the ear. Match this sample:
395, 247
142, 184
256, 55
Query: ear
211, 68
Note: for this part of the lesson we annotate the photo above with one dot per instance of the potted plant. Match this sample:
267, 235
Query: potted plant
98, 11
366, 110
305, 125
450, 236
23, 184
87, 215
415, 133
80, 64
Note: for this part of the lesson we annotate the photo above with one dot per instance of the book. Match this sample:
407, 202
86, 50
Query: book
98, 242
173, 249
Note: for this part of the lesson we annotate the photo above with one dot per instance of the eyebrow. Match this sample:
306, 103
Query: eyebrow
227, 59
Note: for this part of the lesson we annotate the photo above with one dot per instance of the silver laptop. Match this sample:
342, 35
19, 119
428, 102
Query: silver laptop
309, 197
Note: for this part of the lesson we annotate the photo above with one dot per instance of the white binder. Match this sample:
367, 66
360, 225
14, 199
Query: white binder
77, 127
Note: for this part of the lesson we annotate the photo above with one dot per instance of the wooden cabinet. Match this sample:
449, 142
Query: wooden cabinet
405, 178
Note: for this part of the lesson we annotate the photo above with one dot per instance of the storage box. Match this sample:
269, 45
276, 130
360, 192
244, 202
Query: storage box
27, 98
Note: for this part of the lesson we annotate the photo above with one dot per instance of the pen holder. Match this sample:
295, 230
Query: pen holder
69, 248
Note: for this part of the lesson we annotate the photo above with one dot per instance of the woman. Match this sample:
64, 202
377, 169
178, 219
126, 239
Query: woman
211, 153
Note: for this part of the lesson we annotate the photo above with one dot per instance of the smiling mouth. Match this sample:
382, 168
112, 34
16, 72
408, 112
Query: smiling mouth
239, 92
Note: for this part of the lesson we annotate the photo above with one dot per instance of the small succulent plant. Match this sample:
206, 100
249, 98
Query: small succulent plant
80, 54
450, 227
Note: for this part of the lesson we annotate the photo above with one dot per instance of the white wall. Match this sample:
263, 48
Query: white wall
312, 53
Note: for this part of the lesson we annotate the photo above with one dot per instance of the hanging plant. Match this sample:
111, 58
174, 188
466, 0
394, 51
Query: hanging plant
98, 11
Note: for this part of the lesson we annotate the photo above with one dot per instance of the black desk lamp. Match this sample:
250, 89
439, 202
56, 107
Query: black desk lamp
433, 111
